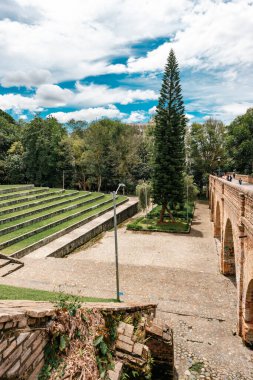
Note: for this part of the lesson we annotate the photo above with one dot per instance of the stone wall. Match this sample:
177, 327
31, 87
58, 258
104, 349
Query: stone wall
23, 336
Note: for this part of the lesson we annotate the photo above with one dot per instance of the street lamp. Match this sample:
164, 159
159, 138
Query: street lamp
218, 159
114, 193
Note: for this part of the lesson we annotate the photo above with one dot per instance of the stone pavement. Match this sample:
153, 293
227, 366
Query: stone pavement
180, 272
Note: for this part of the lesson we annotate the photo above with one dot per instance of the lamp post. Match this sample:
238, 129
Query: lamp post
114, 193
218, 159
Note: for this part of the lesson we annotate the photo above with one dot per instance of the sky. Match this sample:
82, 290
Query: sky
89, 59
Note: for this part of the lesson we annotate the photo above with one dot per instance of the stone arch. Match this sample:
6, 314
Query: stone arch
228, 258
248, 315
217, 222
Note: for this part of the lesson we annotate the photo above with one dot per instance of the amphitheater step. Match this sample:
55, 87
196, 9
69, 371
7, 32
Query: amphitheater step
52, 197
65, 244
59, 210
8, 239
20, 194
9, 189
41, 239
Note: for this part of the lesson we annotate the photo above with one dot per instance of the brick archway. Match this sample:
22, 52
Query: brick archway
217, 223
248, 315
228, 251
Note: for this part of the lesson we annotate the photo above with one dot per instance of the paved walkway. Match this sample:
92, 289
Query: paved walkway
179, 272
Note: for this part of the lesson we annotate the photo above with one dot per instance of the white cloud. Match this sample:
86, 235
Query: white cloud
234, 109
189, 116
18, 103
152, 110
136, 117
49, 95
90, 114
28, 79
94, 95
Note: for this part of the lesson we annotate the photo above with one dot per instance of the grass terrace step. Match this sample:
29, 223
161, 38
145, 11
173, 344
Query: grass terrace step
42, 215
8, 269
64, 200
26, 232
13, 188
53, 195
28, 245
44, 194
18, 194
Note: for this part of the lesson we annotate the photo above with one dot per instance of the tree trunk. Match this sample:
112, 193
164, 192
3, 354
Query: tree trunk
164, 206
99, 182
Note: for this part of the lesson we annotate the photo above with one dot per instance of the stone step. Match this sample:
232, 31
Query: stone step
62, 243
15, 188
21, 193
28, 205
65, 238
43, 208
4, 262
29, 222
50, 225
8, 269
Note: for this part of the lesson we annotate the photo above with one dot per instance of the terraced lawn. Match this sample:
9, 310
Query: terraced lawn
39, 236
29, 221
73, 202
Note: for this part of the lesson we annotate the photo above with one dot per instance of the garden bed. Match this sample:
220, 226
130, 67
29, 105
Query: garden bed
181, 223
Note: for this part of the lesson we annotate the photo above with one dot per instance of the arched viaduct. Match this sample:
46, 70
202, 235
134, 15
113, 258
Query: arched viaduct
232, 214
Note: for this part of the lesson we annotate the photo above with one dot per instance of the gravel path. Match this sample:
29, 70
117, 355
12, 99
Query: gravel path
179, 272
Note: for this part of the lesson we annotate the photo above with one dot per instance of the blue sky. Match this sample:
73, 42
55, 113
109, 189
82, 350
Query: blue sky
105, 58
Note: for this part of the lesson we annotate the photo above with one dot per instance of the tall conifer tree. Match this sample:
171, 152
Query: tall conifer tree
169, 133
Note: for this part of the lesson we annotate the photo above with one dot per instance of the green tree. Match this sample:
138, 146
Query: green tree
205, 149
45, 155
169, 132
240, 142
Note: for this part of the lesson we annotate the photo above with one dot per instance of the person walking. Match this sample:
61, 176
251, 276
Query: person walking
240, 181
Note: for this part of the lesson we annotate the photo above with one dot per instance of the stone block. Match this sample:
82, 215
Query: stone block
21, 337
116, 373
124, 346
126, 339
25, 354
13, 371
22, 323
36, 371
138, 348
8, 325
129, 329
9, 349
3, 345
10, 360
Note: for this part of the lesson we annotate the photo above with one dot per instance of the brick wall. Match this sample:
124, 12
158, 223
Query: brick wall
22, 342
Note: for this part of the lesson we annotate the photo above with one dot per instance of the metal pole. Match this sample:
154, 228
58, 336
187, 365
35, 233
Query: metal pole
187, 197
146, 200
116, 245
63, 180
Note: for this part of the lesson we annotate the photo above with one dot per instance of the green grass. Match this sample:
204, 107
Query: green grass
14, 293
11, 186
40, 212
26, 197
35, 238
